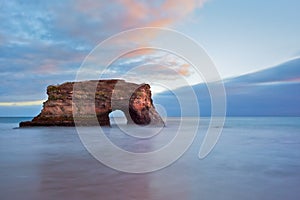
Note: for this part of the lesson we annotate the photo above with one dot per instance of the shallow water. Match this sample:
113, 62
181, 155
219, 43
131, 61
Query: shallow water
255, 158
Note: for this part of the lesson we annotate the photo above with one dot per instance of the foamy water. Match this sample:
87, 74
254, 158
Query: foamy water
255, 158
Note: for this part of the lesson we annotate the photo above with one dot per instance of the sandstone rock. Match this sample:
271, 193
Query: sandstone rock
96, 97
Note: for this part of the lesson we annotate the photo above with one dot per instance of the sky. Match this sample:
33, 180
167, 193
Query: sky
45, 42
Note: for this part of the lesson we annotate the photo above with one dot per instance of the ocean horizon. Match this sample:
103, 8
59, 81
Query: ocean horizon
255, 158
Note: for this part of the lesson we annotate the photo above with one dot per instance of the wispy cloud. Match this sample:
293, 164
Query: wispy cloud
22, 103
155, 64
44, 42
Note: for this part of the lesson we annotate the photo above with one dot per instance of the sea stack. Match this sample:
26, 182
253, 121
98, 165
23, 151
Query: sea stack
95, 99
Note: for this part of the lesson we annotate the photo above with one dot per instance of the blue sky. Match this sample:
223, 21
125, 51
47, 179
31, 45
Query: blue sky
45, 42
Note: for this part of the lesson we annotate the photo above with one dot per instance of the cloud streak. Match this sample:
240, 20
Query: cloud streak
23, 103
45, 42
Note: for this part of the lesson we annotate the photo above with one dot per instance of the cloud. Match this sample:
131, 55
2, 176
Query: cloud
45, 42
95, 20
86, 22
22, 103
280, 82
154, 66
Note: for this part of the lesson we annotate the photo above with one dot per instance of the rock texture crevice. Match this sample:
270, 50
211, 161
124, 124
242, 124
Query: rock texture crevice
90, 103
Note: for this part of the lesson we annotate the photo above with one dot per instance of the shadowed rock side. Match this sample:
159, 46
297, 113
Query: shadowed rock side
133, 99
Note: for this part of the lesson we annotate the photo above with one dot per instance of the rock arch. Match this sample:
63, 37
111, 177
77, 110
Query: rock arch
133, 99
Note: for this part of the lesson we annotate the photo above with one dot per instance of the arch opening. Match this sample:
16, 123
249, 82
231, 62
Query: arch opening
117, 117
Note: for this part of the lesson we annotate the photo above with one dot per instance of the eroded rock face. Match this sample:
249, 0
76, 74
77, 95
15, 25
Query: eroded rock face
133, 99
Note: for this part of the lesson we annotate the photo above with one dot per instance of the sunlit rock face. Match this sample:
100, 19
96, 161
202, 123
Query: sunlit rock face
95, 99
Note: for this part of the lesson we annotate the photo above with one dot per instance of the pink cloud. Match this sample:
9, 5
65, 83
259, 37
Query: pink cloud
95, 20
166, 14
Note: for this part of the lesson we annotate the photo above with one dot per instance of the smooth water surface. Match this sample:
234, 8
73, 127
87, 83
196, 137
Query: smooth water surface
255, 158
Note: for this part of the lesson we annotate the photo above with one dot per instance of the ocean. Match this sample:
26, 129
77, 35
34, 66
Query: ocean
255, 158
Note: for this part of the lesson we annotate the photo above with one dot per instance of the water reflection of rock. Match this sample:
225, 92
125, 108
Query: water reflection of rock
66, 170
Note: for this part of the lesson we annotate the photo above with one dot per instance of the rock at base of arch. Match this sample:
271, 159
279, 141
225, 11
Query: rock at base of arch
133, 99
